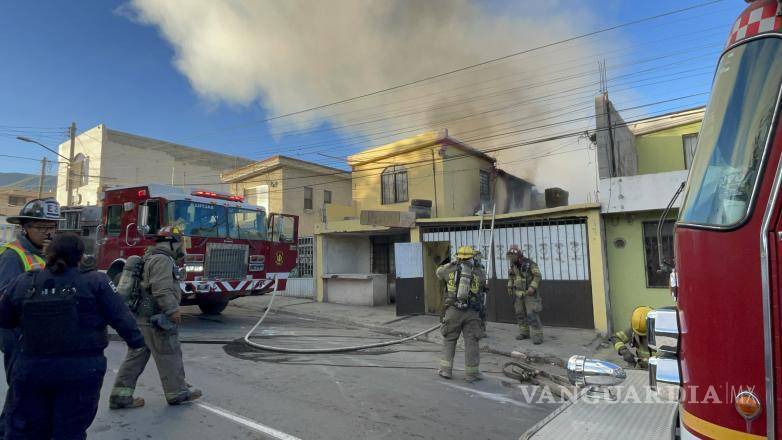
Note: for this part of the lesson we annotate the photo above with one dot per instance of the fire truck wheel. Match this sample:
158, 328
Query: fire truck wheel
213, 308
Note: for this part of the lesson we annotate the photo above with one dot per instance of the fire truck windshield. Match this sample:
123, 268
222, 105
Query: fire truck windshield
734, 134
208, 220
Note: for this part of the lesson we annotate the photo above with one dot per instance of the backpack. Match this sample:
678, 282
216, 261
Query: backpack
129, 286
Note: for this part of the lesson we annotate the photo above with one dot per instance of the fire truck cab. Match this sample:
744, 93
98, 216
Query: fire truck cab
233, 249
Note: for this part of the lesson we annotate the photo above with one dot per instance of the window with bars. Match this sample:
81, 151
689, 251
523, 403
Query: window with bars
393, 185
485, 181
690, 142
307, 197
16, 201
655, 277
326, 196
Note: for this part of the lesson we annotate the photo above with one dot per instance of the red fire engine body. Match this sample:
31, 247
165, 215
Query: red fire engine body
233, 248
724, 345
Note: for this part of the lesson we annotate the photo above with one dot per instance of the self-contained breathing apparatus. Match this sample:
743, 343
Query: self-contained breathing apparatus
129, 286
469, 291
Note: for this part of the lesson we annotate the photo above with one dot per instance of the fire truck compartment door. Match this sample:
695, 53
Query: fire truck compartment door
637, 413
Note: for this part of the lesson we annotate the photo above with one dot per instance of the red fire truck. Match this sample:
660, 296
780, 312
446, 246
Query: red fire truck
233, 248
718, 362
722, 344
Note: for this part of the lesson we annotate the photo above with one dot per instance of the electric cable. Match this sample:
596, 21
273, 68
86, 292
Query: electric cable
272, 348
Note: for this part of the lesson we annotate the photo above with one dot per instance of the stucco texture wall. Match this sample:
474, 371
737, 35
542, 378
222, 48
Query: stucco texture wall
462, 188
89, 144
452, 186
627, 267
663, 150
367, 187
294, 180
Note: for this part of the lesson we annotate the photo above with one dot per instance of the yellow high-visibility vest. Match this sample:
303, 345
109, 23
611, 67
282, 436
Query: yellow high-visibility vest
29, 260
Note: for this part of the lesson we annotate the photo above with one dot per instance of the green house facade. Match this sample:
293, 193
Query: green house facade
641, 167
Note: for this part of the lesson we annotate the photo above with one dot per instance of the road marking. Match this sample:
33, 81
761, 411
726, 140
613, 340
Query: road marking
490, 396
247, 422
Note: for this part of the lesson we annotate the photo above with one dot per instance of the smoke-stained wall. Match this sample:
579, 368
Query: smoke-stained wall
616, 151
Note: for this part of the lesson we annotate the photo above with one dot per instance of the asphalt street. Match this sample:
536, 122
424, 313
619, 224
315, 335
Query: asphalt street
387, 393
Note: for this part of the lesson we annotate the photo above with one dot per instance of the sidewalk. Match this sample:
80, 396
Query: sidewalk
550, 357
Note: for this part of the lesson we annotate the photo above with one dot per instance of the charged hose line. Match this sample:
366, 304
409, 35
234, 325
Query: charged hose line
322, 350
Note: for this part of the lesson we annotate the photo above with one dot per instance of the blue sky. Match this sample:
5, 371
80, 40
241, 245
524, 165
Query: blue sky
82, 62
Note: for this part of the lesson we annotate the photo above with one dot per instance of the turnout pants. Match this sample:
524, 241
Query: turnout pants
468, 324
54, 397
527, 308
164, 346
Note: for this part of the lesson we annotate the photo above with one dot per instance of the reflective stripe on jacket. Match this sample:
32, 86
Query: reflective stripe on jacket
29, 260
475, 285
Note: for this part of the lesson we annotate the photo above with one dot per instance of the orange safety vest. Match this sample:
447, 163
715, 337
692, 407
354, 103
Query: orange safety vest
30, 261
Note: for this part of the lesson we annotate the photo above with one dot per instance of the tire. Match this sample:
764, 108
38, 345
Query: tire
213, 308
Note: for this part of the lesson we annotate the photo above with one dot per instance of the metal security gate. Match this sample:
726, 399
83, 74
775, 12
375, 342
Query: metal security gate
301, 283
559, 247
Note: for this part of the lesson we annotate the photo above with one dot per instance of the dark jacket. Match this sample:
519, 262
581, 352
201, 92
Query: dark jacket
98, 305
10, 264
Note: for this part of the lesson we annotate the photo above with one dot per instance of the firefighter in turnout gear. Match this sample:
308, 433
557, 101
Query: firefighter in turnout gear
464, 279
58, 370
38, 221
634, 338
523, 284
158, 316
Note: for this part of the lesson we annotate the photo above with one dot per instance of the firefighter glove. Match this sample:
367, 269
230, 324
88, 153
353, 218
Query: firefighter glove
627, 355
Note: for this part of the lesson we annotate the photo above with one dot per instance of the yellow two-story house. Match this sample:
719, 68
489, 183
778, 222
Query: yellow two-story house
426, 176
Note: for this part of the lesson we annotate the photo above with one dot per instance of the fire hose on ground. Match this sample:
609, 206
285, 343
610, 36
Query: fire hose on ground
322, 350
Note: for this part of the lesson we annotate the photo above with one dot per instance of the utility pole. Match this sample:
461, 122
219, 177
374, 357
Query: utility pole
43, 176
69, 180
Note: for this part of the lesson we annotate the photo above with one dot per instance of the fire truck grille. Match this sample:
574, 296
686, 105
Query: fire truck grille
226, 261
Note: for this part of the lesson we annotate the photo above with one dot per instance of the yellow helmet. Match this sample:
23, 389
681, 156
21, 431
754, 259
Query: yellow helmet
465, 253
638, 320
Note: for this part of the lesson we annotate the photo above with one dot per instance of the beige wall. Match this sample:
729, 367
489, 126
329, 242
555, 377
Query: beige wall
462, 183
454, 184
286, 193
7, 209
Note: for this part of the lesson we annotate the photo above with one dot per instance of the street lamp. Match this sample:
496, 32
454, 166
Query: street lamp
68, 183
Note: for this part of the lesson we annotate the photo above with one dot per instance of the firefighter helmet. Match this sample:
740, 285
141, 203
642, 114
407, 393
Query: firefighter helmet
37, 210
465, 253
514, 250
638, 320
169, 233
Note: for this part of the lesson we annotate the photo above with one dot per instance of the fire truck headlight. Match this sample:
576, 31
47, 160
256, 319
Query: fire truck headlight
664, 377
662, 329
594, 372
194, 268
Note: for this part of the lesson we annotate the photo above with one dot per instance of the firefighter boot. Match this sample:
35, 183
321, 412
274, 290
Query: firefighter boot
192, 395
445, 373
522, 336
117, 402
474, 377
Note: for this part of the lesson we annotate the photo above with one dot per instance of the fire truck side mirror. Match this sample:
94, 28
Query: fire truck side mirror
143, 215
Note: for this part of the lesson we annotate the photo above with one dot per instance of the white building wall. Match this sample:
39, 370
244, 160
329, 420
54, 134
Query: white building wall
88, 143
124, 159
644, 192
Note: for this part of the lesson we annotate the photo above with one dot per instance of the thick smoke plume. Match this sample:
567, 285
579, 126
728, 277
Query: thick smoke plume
295, 54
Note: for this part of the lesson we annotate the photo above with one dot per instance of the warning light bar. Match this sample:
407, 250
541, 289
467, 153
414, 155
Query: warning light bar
214, 195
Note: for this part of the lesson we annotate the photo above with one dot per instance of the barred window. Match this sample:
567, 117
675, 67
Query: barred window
307, 197
485, 180
655, 278
393, 183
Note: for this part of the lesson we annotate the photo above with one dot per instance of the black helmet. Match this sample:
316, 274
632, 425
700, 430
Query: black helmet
37, 210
